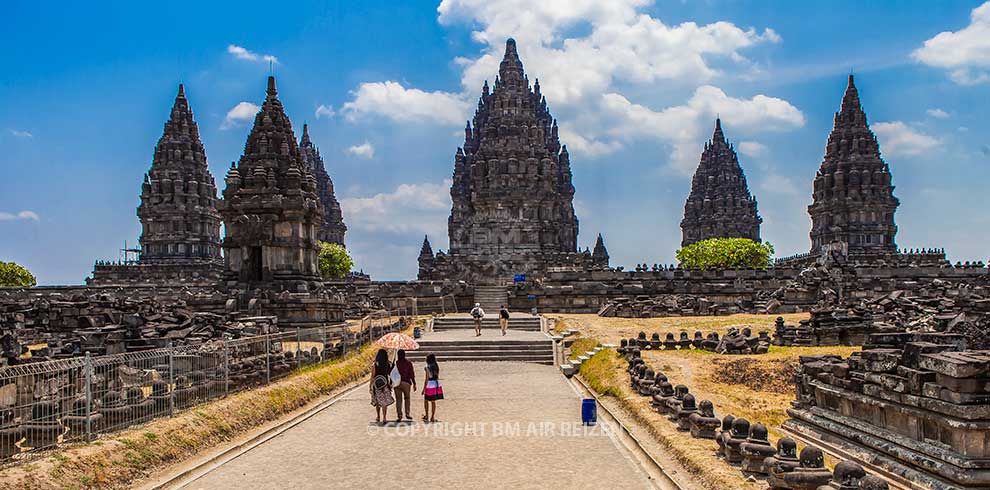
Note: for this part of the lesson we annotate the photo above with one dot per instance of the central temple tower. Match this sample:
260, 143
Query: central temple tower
512, 194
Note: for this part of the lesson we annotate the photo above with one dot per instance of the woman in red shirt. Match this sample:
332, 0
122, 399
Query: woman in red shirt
403, 390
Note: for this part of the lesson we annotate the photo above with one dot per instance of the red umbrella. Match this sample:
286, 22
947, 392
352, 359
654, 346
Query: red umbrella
396, 340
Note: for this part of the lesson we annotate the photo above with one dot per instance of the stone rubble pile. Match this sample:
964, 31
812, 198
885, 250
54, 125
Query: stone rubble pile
665, 305
735, 341
59, 327
939, 306
742, 444
918, 401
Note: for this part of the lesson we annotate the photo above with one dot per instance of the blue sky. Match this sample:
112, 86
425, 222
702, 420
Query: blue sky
635, 85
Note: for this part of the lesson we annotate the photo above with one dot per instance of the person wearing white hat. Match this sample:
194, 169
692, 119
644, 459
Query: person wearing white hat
478, 314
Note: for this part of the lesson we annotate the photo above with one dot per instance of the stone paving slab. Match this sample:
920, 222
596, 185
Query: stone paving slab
504, 425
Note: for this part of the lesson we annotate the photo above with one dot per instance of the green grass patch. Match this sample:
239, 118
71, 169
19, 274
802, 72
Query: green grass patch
582, 345
601, 373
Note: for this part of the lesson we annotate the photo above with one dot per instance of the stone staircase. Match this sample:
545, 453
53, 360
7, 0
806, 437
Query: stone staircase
537, 351
491, 298
517, 321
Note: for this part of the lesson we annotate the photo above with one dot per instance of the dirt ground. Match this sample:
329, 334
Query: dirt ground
757, 387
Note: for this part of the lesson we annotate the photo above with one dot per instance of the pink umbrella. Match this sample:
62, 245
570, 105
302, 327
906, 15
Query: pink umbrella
396, 340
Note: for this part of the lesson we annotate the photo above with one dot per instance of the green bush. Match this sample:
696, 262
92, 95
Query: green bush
726, 253
335, 262
13, 275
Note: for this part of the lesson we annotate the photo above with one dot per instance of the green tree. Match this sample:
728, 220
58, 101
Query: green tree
335, 262
726, 253
13, 275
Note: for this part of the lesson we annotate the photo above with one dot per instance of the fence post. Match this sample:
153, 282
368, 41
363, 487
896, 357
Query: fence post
226, 368
268, 358
298, 350
88, 366
171, 380
323, 337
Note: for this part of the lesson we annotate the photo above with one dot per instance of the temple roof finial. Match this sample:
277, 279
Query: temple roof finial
271, 86
182, 91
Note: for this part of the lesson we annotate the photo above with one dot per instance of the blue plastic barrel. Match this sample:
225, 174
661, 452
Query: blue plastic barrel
589, 412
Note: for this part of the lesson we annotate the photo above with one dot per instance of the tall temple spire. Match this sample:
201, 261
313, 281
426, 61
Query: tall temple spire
720, 204
600, 254
271, 191
178, 214
512, 187
853, 201
332, 228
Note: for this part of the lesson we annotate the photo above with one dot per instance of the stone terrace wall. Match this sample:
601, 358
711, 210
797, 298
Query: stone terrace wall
587, 291
918, 404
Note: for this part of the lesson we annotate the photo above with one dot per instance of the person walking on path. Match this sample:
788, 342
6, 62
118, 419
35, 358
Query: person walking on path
432, 389
478, 314
405, 386
381, 385
503, 319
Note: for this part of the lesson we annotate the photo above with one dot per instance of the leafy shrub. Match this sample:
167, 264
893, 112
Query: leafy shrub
726, 253
13, 275
335, 262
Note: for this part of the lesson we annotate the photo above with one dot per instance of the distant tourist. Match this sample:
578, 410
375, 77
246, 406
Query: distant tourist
432, 389
478, 314
503, 319
405, 386
381, 385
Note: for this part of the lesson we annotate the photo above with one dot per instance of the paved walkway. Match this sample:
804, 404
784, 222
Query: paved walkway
504, 425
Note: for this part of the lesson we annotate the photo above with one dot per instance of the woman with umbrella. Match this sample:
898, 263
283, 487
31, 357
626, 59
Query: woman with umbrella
401, 377
381, 385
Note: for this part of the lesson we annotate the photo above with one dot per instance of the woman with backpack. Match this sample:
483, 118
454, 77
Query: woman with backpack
381, 385
432, 389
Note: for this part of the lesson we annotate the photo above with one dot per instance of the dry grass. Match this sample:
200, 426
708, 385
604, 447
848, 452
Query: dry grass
757, 387
118, 460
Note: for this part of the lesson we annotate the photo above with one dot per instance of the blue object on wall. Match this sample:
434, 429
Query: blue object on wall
519, 278
589, 412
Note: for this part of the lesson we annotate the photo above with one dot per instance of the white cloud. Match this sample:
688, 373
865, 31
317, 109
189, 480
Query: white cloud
324, 111
420, 208
241, 113
619, 43
752, 148
898, 139
937, 113
21, 215
392, 100
21, 134
774, 183
964, 53
591, 147
243, 54
685, 126
364, 150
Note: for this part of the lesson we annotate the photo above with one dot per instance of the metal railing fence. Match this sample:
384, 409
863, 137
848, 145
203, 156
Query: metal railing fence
45, 404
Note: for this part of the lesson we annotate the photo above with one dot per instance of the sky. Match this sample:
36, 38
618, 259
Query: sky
386, 88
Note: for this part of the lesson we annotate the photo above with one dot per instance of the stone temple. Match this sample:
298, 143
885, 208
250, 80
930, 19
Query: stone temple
854, 200
271, 210
719, 205
332, 229
180, 225
512, 194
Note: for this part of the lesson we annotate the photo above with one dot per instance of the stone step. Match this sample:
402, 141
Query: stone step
484, 350
539, 359
471, 343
